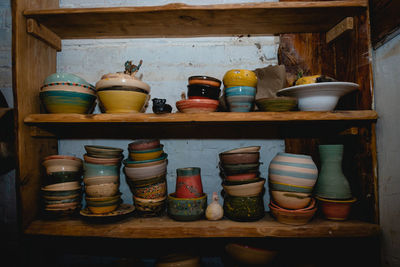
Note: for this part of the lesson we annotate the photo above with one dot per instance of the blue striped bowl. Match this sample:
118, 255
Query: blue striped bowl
292, 172
240, 90
67, 102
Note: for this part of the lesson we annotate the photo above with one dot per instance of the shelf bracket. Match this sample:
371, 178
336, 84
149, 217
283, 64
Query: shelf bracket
43, 33
345, 25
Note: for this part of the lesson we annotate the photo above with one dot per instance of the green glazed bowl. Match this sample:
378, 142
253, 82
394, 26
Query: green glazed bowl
63, 177
186, 209
244, 209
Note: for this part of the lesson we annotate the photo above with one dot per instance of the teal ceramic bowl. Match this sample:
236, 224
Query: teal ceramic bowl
61, 77
240, 103
67, 102
240, 90
96, 170
244, 209
186, 209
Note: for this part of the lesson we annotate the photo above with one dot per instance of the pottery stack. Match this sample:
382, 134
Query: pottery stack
332, 189
240, 89
243, 188
188, 202
291, 180
62, 190
101, 178
145, 172
203, 95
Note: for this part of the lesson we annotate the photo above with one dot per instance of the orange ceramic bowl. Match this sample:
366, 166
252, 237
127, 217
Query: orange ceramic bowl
197, 105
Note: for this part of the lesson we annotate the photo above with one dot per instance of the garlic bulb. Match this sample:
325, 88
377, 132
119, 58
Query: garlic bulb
214, 211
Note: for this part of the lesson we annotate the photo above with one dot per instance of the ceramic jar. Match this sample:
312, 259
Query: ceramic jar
331, 182
292, 172
188, 183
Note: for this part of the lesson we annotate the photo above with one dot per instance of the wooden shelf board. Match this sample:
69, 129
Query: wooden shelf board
164, 227
212, 117
180, 20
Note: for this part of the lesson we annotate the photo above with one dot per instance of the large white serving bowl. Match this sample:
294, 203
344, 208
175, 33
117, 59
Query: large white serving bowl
318, 96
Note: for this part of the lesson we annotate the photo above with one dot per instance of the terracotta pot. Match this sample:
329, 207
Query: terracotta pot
188, 183
335, 209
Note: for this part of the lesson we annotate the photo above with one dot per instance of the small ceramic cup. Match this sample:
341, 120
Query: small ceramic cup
188, 183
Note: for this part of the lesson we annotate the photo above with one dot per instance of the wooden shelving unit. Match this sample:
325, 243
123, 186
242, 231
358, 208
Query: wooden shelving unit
39, 28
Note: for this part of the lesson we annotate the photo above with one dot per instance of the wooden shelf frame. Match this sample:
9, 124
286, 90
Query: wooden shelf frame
164, 227
180, 20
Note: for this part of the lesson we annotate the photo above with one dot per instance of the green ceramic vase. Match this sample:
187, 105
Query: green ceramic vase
331, 182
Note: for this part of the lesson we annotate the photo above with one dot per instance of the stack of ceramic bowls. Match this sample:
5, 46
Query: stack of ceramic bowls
145, 172
67, 93
203, 95
291, 181
188, 202
101, 178
243, 188
62, 193
333, 189
240, 89
122, 93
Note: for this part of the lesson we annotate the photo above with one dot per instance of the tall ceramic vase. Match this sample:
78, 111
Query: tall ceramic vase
331, 182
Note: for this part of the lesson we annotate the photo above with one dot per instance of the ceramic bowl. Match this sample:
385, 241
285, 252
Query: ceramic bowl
276, 103
240, 103
290, 200
186, 209
150, 207
292, 217
243, 209
241, 177
62, 206
207, 80
240, 90
104, 161
103, 151
178, 260
144, 144
149, 154
63, 177
197, 105
238, 182
232, 169
244, 149
63, 77
336, 209
120, 101
101, 203
67, 102
310, 206
247, 189
292, 172
239, 158
98, 170
103, 209
150, 188
118, 81
63, 186
67, 164
58, 194
145, 163
249, 255
100, 180
141, 173
69, 87
102, 190
240, 77
318, 96
203, 91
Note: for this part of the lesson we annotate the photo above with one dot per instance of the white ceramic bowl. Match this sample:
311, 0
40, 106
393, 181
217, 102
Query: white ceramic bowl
318, 96
291, 200
145, 172
245, 190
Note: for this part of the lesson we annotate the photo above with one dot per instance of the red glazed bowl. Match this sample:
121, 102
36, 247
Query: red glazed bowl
197, 105
144, 144
336, 209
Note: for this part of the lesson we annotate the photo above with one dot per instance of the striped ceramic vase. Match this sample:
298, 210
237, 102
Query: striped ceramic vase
292, 172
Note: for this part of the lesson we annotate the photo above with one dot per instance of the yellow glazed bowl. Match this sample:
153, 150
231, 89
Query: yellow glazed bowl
104, 209
240, 77
118, 101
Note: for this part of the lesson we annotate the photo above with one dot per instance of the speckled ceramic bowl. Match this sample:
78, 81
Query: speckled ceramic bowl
244, 209
186, 209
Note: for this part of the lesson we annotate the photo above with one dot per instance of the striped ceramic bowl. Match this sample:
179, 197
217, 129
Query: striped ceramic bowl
292, 172
67, 102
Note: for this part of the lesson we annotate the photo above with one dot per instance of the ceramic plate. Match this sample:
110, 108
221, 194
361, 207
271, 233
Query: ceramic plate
123, 209
339, 88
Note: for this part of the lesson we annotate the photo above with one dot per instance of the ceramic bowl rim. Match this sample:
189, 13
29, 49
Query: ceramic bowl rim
173, 197
344, 201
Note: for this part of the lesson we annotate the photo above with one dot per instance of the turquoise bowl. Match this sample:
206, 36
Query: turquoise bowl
186, 209
240, 90
240, 103
61, 77
96, 170
67, 102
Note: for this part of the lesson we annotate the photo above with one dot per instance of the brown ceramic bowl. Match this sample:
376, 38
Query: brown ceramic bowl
250, 255
144, 144
292, 217
239, 158
245, 190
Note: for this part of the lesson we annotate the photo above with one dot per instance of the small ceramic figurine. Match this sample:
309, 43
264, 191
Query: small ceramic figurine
160, 106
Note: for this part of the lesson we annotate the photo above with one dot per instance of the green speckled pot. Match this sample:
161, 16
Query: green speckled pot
244, 209
186, 209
